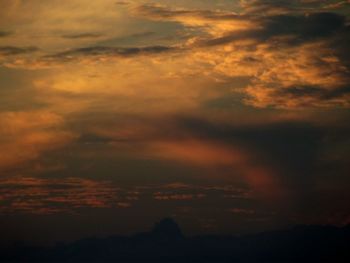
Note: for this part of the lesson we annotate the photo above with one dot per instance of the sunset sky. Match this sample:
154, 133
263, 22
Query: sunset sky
230, 116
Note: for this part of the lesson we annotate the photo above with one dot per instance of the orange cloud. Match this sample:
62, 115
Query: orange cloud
198, 152
225, 45
314, 76
37, 195
46, 196
27, 135
204, 154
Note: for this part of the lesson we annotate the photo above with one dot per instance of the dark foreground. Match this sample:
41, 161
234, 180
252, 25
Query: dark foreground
165, 243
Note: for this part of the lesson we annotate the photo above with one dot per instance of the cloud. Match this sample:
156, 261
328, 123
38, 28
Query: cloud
299, 29
309, 26
14, 56
121, 3
108, 52
178, 197
313, 77
337, 5
206, 154
224, 44
82, 35
48, 196
215, 22
5, 33
273, 157
27, 135
254, 45
161, 12
35, 22
110, 91
269, 7
301, 26
277, 7
146, 83
298, 97
39, 195
83, 55
272, 7
12, 50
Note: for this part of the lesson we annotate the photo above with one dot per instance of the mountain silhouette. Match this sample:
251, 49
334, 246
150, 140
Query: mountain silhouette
167, 230
166, 243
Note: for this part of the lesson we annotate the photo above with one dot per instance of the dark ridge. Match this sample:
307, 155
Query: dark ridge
165, 243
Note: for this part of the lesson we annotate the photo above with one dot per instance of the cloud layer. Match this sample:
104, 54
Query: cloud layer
181, 108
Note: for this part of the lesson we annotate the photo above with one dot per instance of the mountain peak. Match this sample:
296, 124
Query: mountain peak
167, 229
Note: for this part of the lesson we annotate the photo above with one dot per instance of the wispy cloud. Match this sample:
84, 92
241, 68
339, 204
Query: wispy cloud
36, 195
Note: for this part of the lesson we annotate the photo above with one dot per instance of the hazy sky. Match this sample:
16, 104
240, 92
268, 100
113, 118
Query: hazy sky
231, 116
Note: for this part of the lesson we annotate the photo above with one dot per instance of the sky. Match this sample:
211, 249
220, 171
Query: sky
230, 116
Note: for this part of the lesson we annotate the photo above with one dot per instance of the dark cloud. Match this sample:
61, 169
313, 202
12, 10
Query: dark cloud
5, 33
282, 6
163, 13
314, 92
82, 35
290, 144
301, 28
307, 26
267, 6
12, 50
340, 44
121, 3
294, 146
103, 51
304, 26
298, 150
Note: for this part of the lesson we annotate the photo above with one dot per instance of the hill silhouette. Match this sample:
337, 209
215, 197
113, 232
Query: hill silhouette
166, 243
